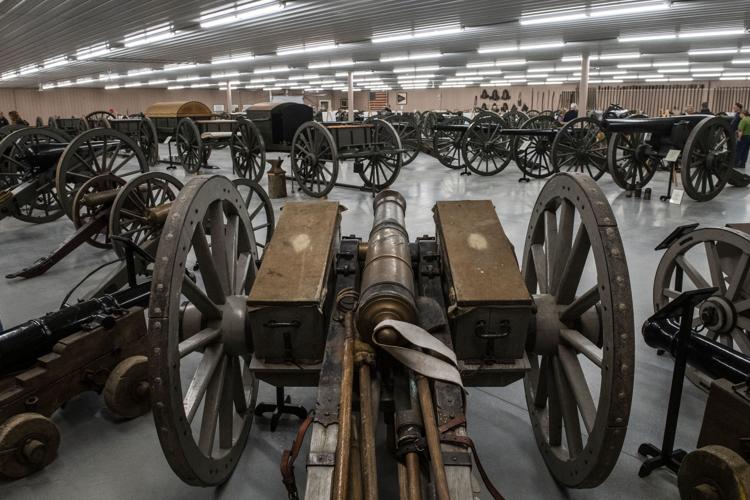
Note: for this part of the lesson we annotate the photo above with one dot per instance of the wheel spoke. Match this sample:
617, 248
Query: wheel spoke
569, 411
199, 340
738, 277
210, 361
578, 385
692, 273
586, 301
199, 299
209, 273
211, 409
583, 345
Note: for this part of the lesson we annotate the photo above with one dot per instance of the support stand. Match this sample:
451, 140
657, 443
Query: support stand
525, 177
672, 173
667, 456
283, 406
466, 170
171, 164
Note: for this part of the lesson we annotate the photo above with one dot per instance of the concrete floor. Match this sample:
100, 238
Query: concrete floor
102, 459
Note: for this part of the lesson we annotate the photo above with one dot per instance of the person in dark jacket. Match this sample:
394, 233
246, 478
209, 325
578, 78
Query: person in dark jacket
737, 108
15, 119
571, 114
705, 110
3, 120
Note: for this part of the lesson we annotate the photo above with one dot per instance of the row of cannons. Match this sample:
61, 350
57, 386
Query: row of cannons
390, 331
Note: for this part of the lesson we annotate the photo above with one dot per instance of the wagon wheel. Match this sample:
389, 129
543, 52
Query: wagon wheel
200, 380
714, 472
533, 153
485, 149
708, 158
446, 147
581, 349
15, 169
81, 125
9, 129
629, 160
315, 159
710, 257
29, 442
248, 150
532, 113
428, 122
259, 210
85, 210
580, 146
99, 119
148, 140
189, 146
140, 209
514, 118
408, 131
384, 162
94, 152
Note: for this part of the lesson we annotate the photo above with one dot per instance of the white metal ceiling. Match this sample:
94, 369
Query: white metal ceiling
32, 31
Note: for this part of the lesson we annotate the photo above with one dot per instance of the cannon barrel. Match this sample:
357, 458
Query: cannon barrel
653, 125
21, 345
712, 357
387, 277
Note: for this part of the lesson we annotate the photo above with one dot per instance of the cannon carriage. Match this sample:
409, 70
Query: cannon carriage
140, 128
385, 328
72, 126
704, 145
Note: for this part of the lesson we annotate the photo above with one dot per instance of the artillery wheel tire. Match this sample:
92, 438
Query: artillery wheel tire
381, 170
584, 331
485, 149
446, 147
260, 210
126, 392
514, 118
148, 140
131, 212
710, 257
84, 214
202, 391
14, 170
533, 153
35, 440
95, 152
714, 473
97, 119
312, 147
248, 150
626, 166
189, 146
408, 131
580, 146
708, 158
427, 124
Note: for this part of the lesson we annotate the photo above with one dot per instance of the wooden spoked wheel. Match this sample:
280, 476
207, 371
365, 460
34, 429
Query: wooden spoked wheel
140, 208
485, 149
533, 153
407, 128
190, 146
714, 472
630, 164
126, 391
29, 442
259, 210
99, 119
148, 140
95, 152
202, 392
85, 211
427, 124
315, 161
580, 146
384, 161
514, 118
16, 167
710, 257
446, 147
581, 348
248, 150
708, 158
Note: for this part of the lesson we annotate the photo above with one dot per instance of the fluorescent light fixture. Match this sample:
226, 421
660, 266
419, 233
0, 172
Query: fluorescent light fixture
56, 62
596, 12
681, 79
711, 52
630, 77
493, 50
674, 70
111, 87
277, 69
355, 73
542, 46
480, 65
8, 75
226, 74
706, 75
744, 73
133, 84
416, 69
415, 77
108, 77
139, 72
175, 87
417, 35
646, 38
179, 66
669, 64
557, 18
610, 57
537, 75
158, 82
707, 69
271, 89
47, 86
152, 35
734, 78
545, 69
94, 51
28, 70
64, 83
254, 86
411, 57
634, 65
240, 11
331, 64
712, 33
233, 58
199, 85
740, 61
307, 49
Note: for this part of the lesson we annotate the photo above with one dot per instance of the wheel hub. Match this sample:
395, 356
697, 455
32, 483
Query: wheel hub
642, 153
234, 325
718, 314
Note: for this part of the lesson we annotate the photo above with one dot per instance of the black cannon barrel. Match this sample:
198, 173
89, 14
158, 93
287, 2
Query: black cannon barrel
653, 125
712, 357
46, 155
21, 345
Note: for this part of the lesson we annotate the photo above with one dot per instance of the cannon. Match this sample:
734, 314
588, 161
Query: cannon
719, 468
704, 144
386, 327
139, 128
316, 149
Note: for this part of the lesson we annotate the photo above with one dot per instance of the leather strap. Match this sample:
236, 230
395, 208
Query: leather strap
289, 456
467, 441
